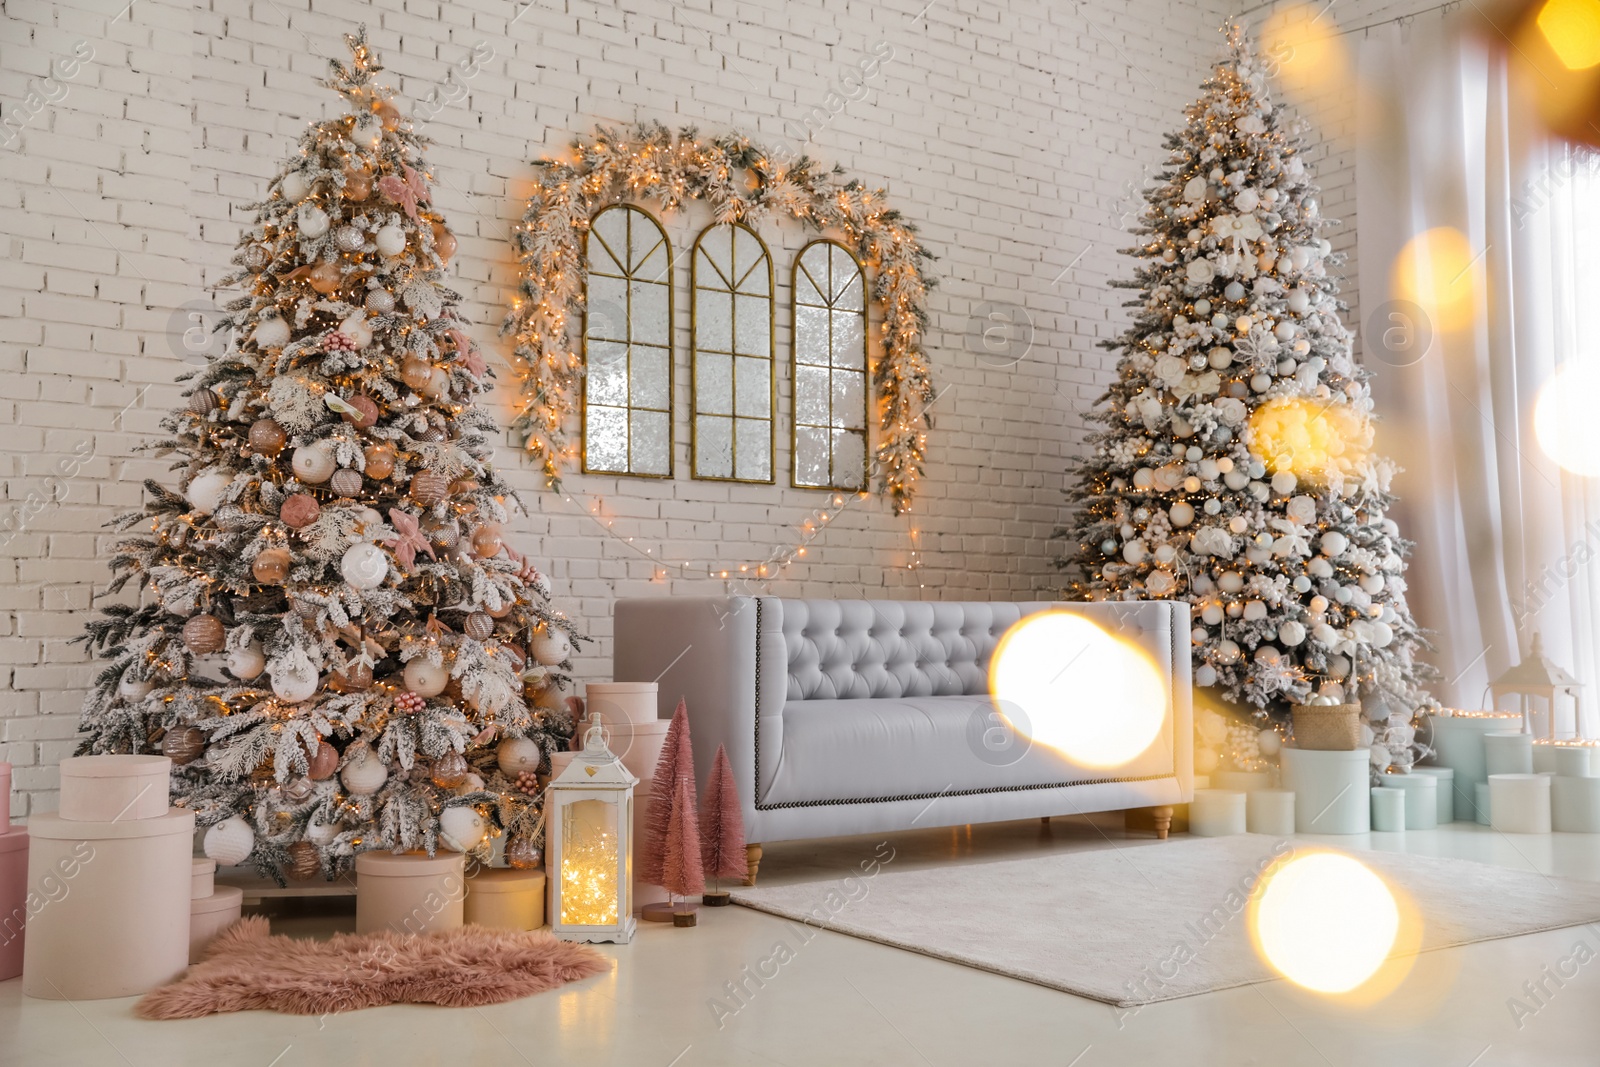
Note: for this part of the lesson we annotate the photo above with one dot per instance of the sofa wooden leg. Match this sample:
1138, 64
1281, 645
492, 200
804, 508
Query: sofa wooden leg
752, 856
1162, 816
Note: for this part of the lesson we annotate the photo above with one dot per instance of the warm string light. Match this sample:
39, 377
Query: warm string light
589, 879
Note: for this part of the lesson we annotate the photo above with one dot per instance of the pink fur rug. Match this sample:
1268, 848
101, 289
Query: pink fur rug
247, 968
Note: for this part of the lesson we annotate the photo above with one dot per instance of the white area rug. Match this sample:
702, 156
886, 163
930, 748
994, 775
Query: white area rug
1113, 924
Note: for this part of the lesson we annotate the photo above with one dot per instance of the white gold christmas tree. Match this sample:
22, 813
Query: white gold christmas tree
333, 642
1234, 467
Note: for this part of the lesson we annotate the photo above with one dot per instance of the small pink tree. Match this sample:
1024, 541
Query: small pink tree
682, 874
677, 759
722, 851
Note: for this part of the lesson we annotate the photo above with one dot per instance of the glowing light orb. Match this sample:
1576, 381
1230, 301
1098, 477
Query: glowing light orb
1325, 921
1309, 438
1564, 422
1301, 46
1572, 29
1439, 270
1090, 696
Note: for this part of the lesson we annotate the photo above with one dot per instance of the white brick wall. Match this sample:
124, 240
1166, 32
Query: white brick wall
1009, 131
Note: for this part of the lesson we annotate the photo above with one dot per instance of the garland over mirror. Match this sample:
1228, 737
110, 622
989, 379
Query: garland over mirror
740, 182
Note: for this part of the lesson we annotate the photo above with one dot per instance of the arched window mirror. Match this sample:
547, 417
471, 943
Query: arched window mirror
733, 344
830, 369
627, 346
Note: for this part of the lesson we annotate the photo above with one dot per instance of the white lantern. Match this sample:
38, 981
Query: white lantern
589, 853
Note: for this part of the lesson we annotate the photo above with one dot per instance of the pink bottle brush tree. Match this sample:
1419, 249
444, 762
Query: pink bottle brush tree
722, 846
671, 845
683, 875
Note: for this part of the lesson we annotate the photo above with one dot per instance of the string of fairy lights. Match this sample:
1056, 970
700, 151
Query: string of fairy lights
740, 182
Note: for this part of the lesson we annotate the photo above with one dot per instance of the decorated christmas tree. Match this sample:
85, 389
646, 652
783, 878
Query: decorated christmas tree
332, 641
1233, 467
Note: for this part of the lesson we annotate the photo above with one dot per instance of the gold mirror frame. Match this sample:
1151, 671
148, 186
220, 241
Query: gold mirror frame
734, 355
629, 280
833, 484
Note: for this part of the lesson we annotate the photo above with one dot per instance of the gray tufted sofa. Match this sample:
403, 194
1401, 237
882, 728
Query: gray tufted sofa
856, 716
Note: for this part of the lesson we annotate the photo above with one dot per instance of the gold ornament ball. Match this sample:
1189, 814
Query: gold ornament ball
387, 114
416, 373
366, 413
523, 854
183, 745
444, 242
305, 862
204, 634
450, 770
267, 438
324, 762
380, 461
486, 542
445, 534
428, 488
324, 278
357, 188
346, 482
479, 626
271, 566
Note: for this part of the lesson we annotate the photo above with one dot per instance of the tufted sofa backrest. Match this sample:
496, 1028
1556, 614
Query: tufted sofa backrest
857, 649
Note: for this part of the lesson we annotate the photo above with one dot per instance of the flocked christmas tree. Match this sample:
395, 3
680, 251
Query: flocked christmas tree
1234, 467
333, 643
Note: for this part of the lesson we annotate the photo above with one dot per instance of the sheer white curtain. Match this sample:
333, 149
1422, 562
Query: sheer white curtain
1507, 543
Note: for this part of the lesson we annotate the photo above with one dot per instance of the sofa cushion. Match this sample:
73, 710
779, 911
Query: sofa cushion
897, 747
858, 649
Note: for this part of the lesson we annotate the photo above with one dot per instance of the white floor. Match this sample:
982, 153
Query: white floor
840, 1001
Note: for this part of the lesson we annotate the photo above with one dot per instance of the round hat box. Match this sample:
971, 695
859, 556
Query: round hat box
506, 899
121, 927
14, 900
210, 915
202, 878
410, 893
114, 788
617, 703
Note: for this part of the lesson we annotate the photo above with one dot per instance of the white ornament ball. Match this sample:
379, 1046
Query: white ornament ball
205, 492
295, 186
1133, 552
1234, 291
1211, 614
390, 240
270, 333
1165, 553
321, 833
1318, 605
1201, 306
1291, 633
1230, 582
313, 463
1301, 583
1181, 513
1205, 675
294, 684
1320, 568
470, 784
131, 688
1372, 584
1269, 742
1247, 200
518, 755
425, 679
462, 829
1227, 652
364, 566
365, 774
1381, 634
1206, 760
1236, 480
1198, 635
1325, 635
1194, 190
355, 327
1333, 543
1283, 483
551, 647
247, 662
1143, 478
1381, 757
313, 221
230, 842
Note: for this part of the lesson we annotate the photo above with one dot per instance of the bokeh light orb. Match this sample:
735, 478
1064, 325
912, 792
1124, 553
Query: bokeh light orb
1572, 29
1439, 271
1564, 423
1094, 698
1325, 921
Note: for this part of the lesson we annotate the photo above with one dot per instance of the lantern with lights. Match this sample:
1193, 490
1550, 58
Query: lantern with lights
589, 824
